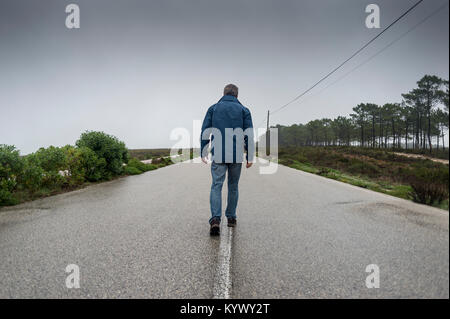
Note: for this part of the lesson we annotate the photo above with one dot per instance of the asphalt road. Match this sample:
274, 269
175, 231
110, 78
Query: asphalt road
298, 236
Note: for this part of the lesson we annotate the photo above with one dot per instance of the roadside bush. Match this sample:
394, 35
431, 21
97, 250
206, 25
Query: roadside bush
424, 181
324, 171
286, 161
32, 174
94, 167
11, 165
75, 167
430, 185
157, 160
52, 160
166, 161
135, 163
162, 161
363, 168
131, 170
106, 147
301, 158
83, 165
344, 160
97, 156
145, 154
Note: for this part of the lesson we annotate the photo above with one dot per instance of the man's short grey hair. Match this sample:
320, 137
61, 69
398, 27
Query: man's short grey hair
231, 89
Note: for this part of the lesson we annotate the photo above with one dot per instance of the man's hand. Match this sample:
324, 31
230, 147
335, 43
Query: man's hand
205, 160
249, 164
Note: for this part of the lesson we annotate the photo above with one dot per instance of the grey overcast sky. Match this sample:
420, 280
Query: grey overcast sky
138, 69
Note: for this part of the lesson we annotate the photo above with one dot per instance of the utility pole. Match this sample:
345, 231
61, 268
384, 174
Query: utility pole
268, 135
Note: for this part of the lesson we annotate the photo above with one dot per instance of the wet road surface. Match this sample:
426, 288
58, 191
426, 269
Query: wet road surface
298, 236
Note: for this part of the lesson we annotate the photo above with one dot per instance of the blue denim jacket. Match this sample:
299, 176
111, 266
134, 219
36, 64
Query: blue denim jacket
228, 113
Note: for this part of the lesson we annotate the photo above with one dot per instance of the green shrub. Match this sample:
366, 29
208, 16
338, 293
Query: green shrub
162, 161
131, 170
145, 154
422, 180
323, 171
286, 161
106, 147
84, 165
52, 160
140, 166
32, 175
167, 161
157, 160
11, 165
94, 167
430, 186
75, 167
344, 160
363, 168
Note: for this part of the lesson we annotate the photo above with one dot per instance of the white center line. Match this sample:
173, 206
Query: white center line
222, 281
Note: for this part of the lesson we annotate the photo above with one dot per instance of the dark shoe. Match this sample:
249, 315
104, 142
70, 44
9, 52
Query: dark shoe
215, 228
231, 222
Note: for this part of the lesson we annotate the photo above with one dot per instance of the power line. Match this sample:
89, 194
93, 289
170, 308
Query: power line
385, 48
348, 59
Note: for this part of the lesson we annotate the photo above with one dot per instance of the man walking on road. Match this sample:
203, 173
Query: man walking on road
228, 126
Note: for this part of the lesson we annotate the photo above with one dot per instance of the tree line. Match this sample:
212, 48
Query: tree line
419, 121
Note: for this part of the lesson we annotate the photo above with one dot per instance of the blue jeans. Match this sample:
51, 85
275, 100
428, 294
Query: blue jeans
218, 172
